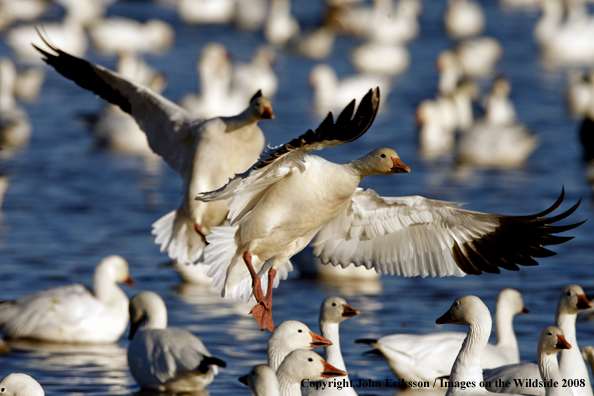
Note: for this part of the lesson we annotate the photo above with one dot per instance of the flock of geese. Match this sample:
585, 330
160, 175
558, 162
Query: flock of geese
243, 216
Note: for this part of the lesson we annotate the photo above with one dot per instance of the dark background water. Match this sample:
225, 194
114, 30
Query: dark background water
69, 205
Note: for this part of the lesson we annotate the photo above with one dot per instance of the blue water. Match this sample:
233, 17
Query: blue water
69, 205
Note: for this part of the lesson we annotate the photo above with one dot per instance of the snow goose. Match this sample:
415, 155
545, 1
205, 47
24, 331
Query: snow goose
579, 92
464, 18
15, 125
588, 354
437, 119
18, 384
288, 197
317, 44
25, 10
378, 58
117, 34
450, 72
570, 302
195, 148
289, 336
280, 26
206, 11
478, 56
426, 357
166, 358
262, 381
73, 314
466, 377
303, 364
250, 14
499, 109
550, 342
256, 75
333, 311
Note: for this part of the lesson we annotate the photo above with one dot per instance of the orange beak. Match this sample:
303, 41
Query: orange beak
445, 318
318, 341
129, 281
267, 113
562, 342
583, 302
331, 371
399, 167
349, 311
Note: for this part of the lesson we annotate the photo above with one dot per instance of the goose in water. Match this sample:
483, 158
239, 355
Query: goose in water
288, 197
73, 313
289, 336
197, 149
570, 302
415, 357
550, 342
166, 358
262, 381
15, 124
18, 384
303, 364
333, 312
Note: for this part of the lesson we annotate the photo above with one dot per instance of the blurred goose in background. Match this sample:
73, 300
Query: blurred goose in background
25, 10
499, 109
18, 384
426, 357
570, 302
262, 381
189, 145
302, 364
478, 56
248, 78
117, 34
206, 11
15, 124
28, 83
250, 14
379, 58
550, 342
464, 18
73, 313
579, 92
289, 336
588, 354
166, 358
316, 44
450, 72
437, 120
280, 25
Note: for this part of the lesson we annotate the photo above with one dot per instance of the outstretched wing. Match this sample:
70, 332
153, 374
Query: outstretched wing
247, 188
413, 236
168, 127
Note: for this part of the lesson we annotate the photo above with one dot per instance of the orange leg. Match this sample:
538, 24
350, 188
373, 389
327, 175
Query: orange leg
262, 311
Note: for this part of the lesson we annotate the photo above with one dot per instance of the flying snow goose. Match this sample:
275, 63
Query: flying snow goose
197, 149
551, 341
303, 364
469, 310
18, 384
289, 336
73, 313
166, 358
288, 197
333, 311
425, 357
570, 302
262, 381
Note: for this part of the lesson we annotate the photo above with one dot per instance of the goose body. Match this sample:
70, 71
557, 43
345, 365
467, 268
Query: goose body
165, 358
73, 314
317, 197
18, 384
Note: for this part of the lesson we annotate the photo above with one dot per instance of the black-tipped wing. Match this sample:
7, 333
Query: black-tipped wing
169, 128
247, 188
416, 236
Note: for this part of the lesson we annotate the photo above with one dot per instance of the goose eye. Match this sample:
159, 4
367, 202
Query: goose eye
300, 331
383, 155
457, 304
569, 293
2, 390
333, 304
550, 333
310, 360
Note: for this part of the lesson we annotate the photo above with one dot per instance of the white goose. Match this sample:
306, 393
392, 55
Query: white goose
570, 302
166, 358
551, 341
262, 381
280, 26
289, 197
18, 384
333, 311
206, 11
289, 336
303, 364
478, 56
257, 75
464, 18
73, 313
425, 357
197, 149
15, 125
467, 368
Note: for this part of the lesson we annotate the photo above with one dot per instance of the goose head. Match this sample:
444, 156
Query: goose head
260, 107
512, 300
552, 340
262, 380
18, 384
291, 335
572, 300
112, 267
381, 161
336, 310
465, 310
304, 363
147, 310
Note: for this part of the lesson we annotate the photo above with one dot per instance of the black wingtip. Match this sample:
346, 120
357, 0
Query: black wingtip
256, 95
209, 361
366, 341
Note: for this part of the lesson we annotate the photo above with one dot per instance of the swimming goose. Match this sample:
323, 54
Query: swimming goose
333, 311
18, 384
550, 342
117, 34
467, 368
197, 149
570, 302
166, 358
464, 18
288, 197
303, 364
15, 125
280, 26
289, 336
73, 313
248, 78
478, 56
206, 11
262, 381
415, 357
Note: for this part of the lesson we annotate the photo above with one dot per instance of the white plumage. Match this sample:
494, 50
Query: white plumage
18, 384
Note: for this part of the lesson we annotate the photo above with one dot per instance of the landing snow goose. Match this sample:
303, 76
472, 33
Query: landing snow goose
288, 197
303, 364
570, 302
117, 34
469, 310
333, 311
73, 314
166, 358
289, 336
197, 149
464, 18
19, 384
550, 342
262, 381
15, 124
425, 357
